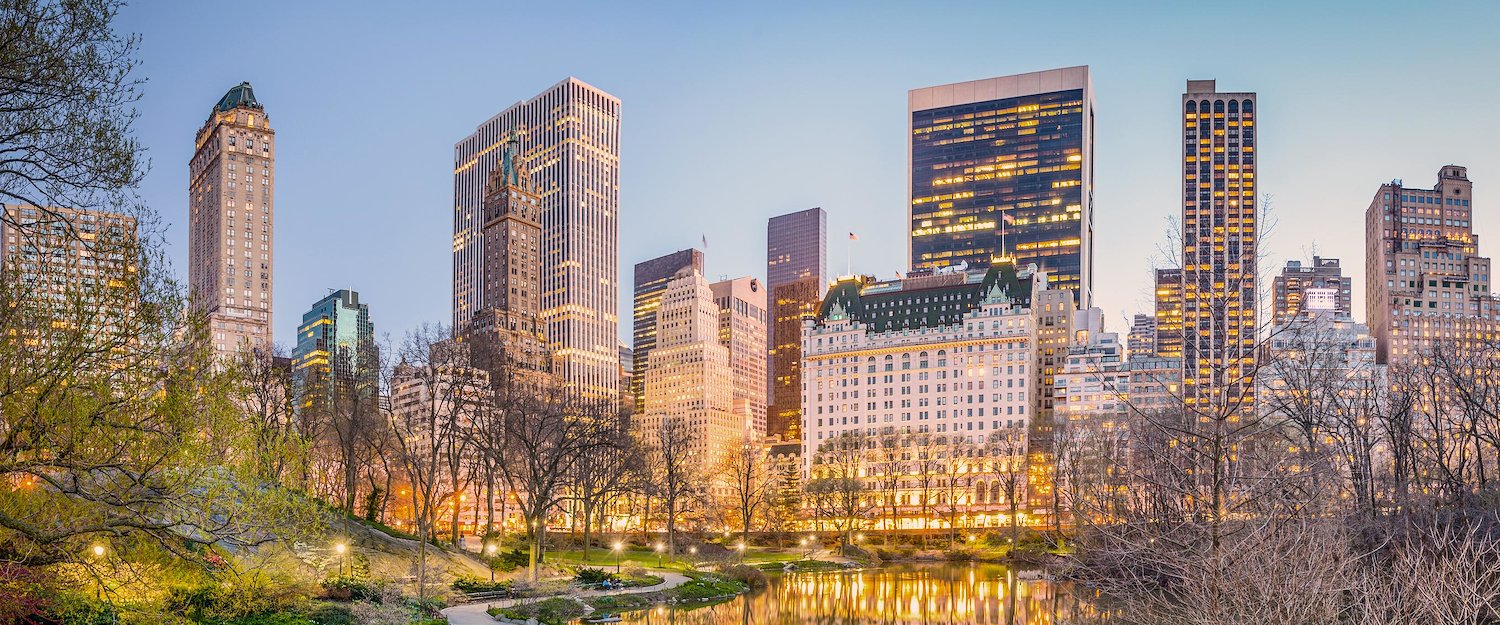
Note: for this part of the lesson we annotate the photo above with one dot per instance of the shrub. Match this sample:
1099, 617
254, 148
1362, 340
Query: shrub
747, 575
248, 597
332, 614
347, 588
555, 611
467, 584
270, 618
511, 560
592, 577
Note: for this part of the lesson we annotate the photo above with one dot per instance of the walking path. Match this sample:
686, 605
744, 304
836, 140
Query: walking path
475, 613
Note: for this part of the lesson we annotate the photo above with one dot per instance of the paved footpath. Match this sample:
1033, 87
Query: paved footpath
475, 614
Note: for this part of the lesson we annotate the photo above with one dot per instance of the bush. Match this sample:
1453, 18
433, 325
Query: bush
593, 577
332, 614
511, 560
347, 588
555, 611
747, 575
467, 584
250, 597
270, 618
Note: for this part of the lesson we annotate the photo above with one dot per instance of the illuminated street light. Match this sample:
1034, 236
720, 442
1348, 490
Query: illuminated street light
658, 554
98, 551
618, 553
343, 550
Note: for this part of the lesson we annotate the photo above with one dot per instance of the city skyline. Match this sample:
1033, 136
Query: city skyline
858, 155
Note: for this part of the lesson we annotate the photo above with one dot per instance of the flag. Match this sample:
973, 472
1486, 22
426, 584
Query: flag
853, 237
705, 241
1008, 219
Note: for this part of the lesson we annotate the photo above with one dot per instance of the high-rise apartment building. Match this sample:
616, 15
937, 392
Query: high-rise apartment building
1425, 281
1141, 342
796, 268
1219, 238
336, 358
73, 262
651, 278
1168, 294
1321, 285
1003, 167
742, 329
569, 137
231, 221
507, 331
690, 378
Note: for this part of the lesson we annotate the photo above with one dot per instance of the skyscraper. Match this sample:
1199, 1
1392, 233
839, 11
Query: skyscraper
796, 247
336, 359
1425, 281
570, 137
1004, 167
690, 379
742, 329
507, 331
651, 278
796, 267
1219, 238
1321, 285
231, 221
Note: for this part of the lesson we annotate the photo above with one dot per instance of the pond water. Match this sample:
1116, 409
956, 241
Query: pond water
990, 594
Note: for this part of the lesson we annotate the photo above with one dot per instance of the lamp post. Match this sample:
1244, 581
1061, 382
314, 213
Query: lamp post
618, 554
489, 549
741, 548
342, 550
98, 551
658, 555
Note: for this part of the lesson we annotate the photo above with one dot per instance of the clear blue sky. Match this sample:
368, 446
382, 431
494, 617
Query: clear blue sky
734, 112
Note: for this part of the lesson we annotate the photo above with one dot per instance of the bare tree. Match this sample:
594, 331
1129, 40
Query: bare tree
431, 388
748, 480
1004, 465
837, 491
677, 480
67, 104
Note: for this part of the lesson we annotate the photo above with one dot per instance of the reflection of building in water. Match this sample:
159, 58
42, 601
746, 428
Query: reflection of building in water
962, 594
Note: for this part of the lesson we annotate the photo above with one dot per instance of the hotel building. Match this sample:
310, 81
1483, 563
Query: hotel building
1003, 167
569, 137
231, 221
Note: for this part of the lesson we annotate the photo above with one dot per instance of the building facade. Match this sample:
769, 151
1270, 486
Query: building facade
1168, 294
690, 378
1003, 167
507, 332
72, 263
742, 329
1141, 342
1425, 281
1322, 280
336, 363
1220, 236
943, 360
796, 270
651, 278
569, 137
231, 222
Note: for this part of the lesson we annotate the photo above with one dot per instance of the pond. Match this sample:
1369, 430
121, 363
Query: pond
919, 593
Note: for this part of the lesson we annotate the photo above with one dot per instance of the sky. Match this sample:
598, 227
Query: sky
736, 112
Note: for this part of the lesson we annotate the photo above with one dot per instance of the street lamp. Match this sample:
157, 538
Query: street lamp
658, 555
98, 551
741, 548
343, 550
489, 550
803, 542
618, 554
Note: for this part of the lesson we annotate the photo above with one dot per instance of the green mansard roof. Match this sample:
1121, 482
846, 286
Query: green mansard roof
925, 300
238, 95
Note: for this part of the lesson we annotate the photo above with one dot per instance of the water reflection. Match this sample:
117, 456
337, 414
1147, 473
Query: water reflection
947, 593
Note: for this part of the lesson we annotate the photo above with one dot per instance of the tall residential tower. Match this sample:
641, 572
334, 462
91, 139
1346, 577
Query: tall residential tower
1003, 167
569, 136
231, 221
1219, 242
